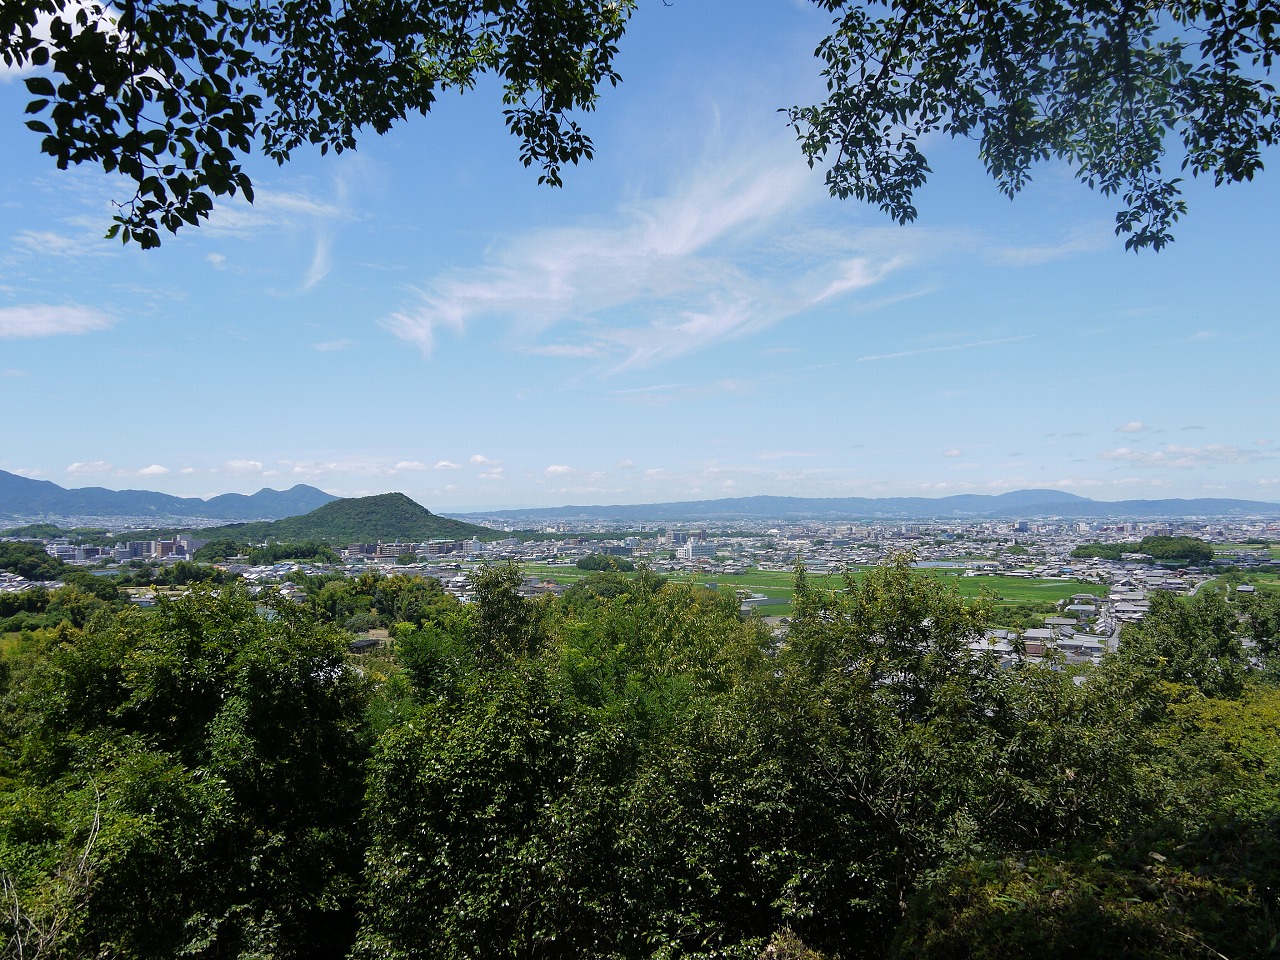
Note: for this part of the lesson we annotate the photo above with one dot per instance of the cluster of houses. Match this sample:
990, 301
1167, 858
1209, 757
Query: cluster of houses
1080, 632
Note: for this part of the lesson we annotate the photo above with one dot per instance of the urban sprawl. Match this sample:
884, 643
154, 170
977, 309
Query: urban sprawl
1085, 625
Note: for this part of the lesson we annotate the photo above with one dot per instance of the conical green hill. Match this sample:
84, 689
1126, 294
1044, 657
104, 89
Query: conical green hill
387, 517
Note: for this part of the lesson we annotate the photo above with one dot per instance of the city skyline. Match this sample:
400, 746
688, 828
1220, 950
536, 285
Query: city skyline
690, 317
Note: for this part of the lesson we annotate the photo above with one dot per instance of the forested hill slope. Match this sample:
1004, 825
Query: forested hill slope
386, 517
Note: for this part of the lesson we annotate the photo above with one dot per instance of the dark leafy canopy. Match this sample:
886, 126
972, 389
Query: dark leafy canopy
186, 782
174, 93
633, 770
1106, 86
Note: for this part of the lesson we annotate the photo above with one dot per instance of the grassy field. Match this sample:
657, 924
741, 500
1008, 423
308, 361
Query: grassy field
779, 585
1263, 581
1267, 552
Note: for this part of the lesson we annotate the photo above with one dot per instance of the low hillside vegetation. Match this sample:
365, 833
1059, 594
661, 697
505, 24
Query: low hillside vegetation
632, 770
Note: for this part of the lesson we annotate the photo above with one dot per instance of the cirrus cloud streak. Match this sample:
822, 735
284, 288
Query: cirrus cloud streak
713, 260
1173, 455
30, 321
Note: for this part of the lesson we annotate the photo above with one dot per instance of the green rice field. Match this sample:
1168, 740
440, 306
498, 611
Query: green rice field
1263, 581
1262, 552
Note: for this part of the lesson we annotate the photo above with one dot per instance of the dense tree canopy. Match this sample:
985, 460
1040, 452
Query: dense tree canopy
183, 782
634, 770
173, 94
1166, 549
30, 560
600, 561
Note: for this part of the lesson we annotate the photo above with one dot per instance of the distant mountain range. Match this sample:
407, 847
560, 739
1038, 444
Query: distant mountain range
386, 518
24, 497
1024, 504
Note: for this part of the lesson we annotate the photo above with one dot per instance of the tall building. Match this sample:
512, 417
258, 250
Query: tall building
697, 550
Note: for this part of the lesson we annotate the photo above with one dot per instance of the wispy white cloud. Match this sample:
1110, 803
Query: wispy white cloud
653, 388
971, 345
446, 465
155, 470
270, 209
88, 467
565, 350
1089, 238
953, 452
558, 470
712, 260
51, 245
786, 454
331, 346
363, 468
44, 320
1173, 455
480, 460
370, 467
1133, 426
243, 466
321, 260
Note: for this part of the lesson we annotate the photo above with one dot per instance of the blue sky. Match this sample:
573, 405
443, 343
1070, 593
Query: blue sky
690, 317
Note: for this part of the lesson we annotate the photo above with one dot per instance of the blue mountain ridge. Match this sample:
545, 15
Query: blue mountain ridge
24, 497
1027, 504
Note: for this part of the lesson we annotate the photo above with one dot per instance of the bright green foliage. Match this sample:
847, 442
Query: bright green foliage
645, 779
599, 561
917, 751
372, 600
604, 585
506, 624
73, 604
1191, 550
223, 548
1261, 612
1189, 641
186, 781
1106, 88
30, 560
1190, 873
1224, 755
554, 800
385, 516
219, 549
633, 771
